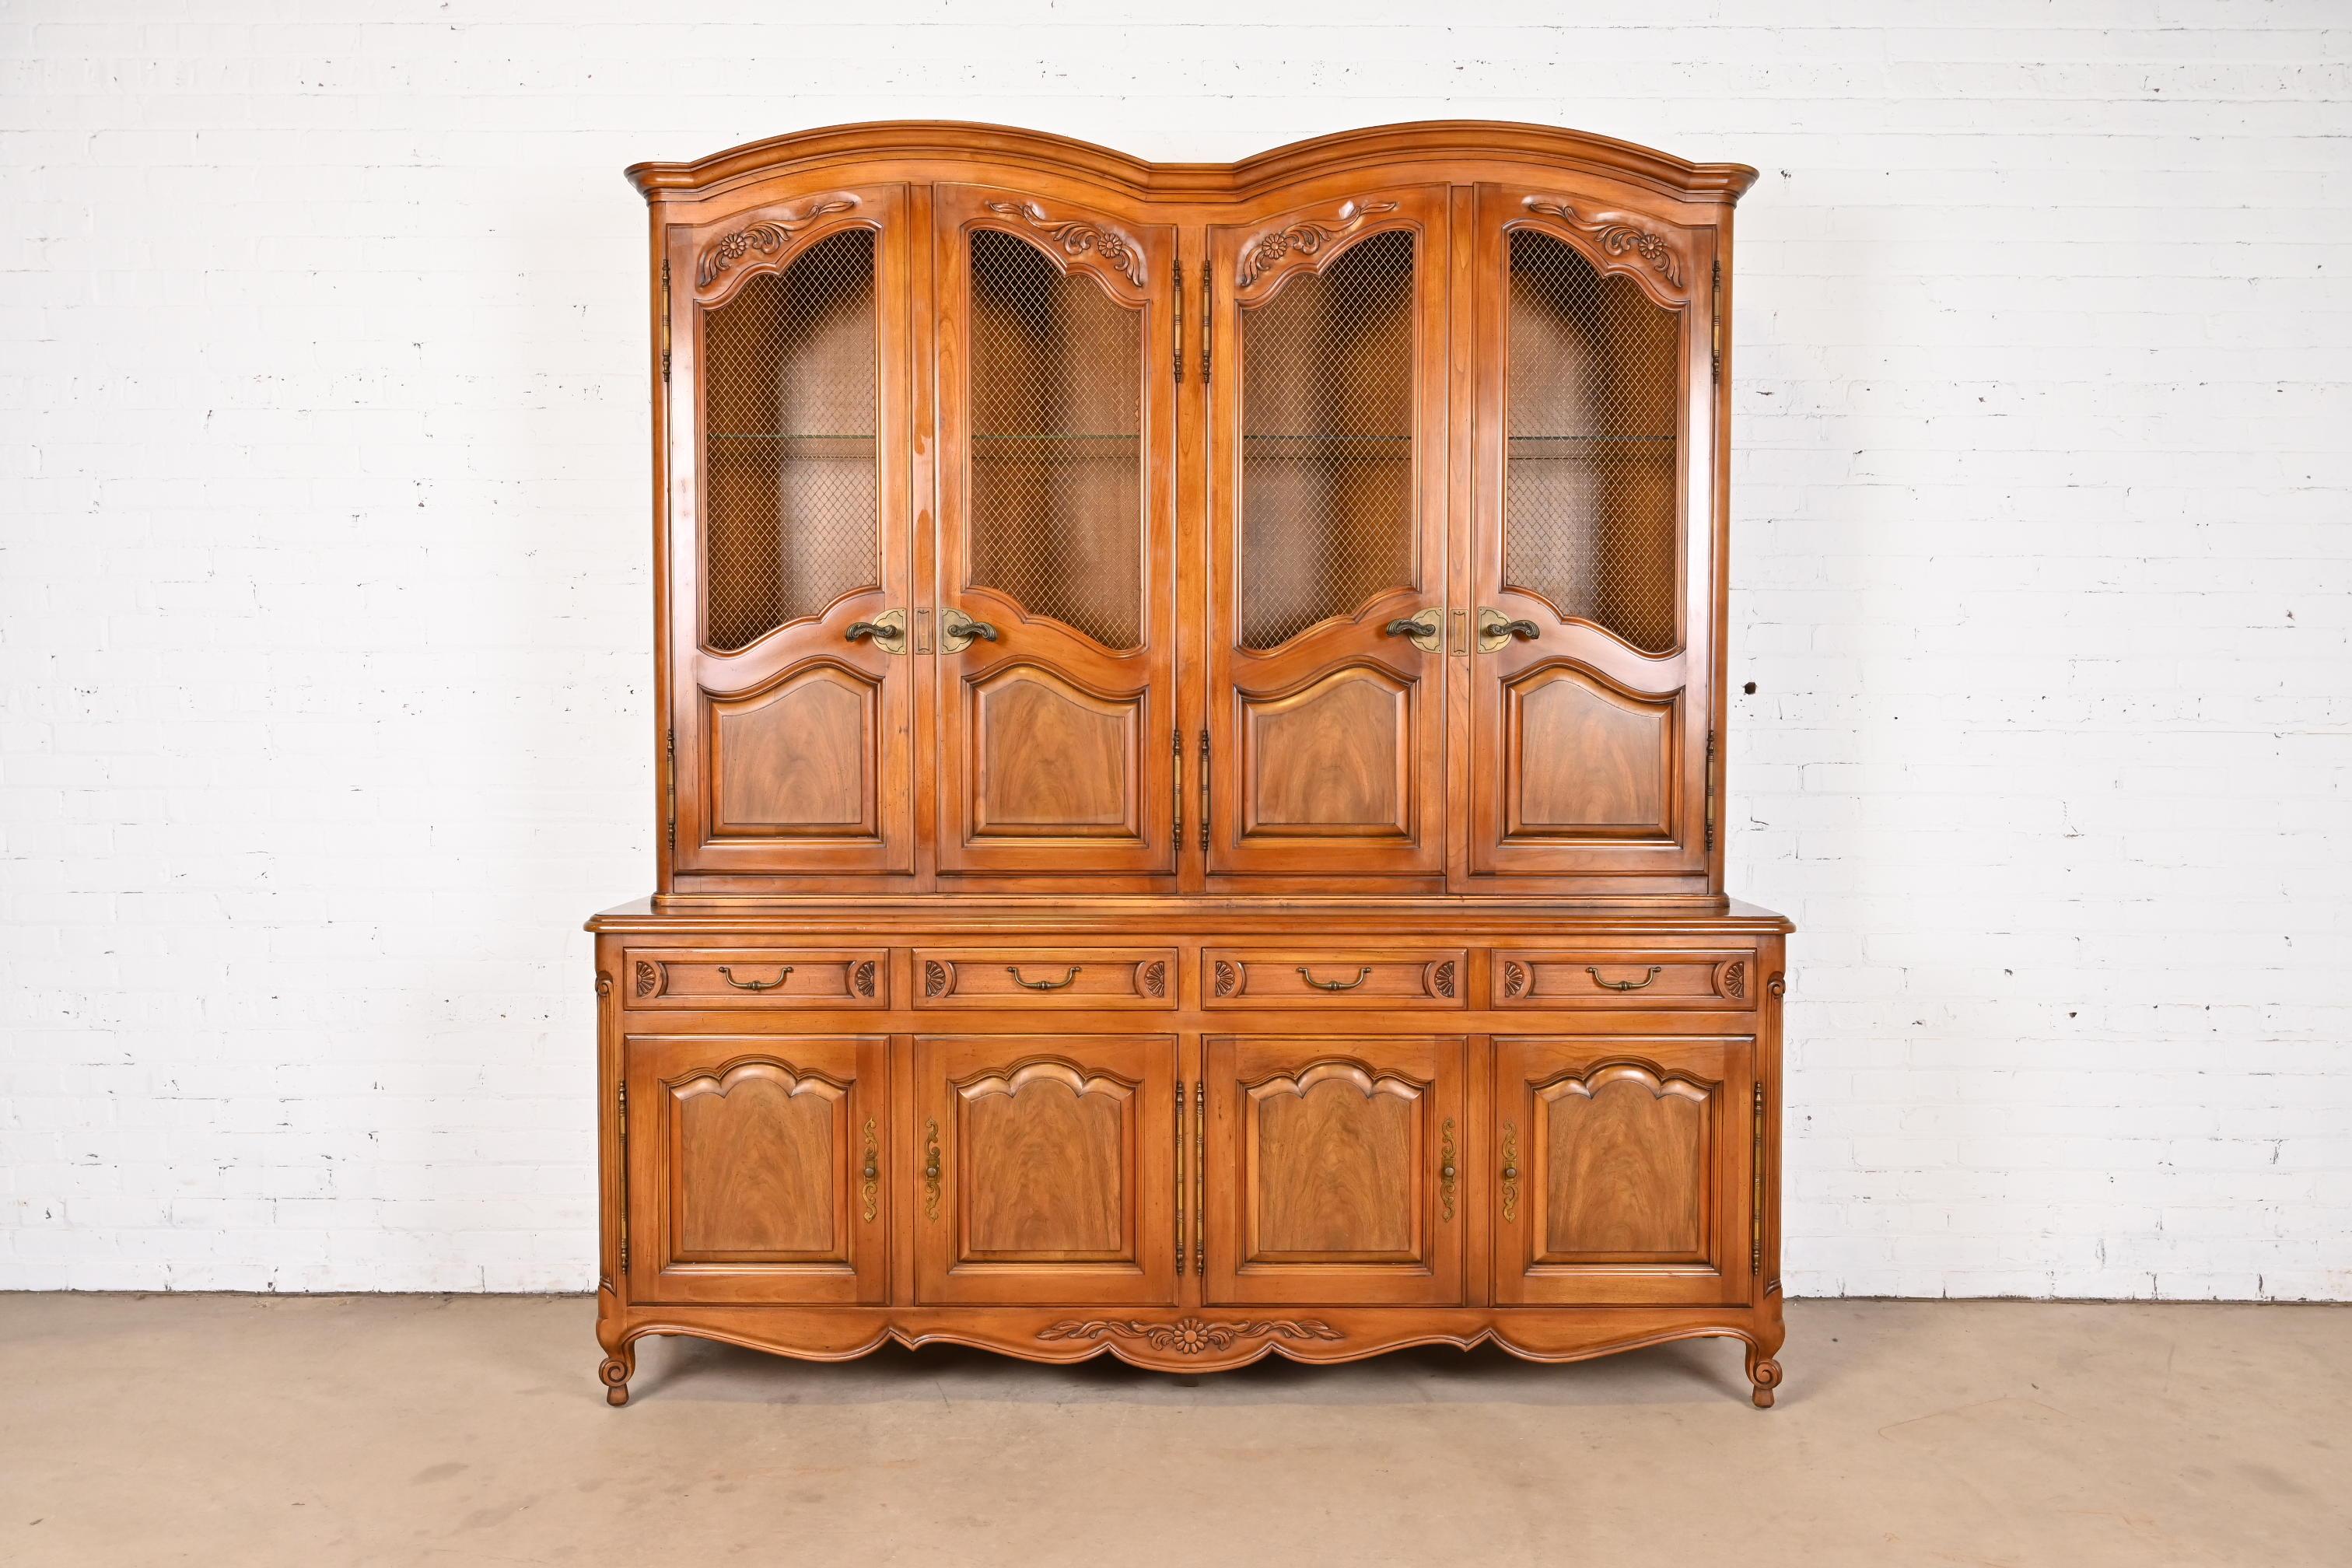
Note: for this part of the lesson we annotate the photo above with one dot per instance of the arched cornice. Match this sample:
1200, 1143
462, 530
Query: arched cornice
1384, 147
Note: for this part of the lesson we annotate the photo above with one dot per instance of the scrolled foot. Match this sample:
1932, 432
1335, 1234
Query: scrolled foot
615, 1373
1765, 1374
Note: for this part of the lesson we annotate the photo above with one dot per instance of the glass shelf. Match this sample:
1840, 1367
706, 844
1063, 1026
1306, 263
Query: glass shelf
786, 435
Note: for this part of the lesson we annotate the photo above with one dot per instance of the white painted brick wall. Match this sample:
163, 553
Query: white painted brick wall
324, 610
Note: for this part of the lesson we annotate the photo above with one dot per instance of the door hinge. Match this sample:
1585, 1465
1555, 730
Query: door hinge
622, 1101
1718, 328
1176, 795
1756, 1234
1206, 798
1711, 789
1180, 1178
670, 787
665, 330
1176, 291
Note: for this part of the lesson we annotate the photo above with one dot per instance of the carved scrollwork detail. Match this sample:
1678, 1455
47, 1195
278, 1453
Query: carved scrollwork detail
1733, 981
1078, 237
1765, 1374
1441, 978
1514, 978
1152, 978
935, 977
1306, 238
604, 984
1616, 234
861, 978
650, 976
1192, 1336
768, 236
1229, 978
1777, 986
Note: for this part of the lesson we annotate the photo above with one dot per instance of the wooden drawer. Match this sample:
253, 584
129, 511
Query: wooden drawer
757, 977
1717, 978
1045, 977
1332, 977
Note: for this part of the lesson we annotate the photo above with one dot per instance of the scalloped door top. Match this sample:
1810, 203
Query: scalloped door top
1591, 453
790, 473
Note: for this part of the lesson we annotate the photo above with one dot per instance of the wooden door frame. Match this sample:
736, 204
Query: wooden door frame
1130, 250
1306, 237
1674, 266
729, 252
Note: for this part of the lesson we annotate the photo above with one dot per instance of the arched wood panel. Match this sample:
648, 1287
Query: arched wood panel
1582, 758
799, 757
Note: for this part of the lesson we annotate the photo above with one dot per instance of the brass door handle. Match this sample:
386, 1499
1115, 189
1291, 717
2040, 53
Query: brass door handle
728, 975
1622, 984
958, 631
931, 1171
1445, 1171
1510, 1172
1361, 975
1425, 630
887, 629
1043, 985
1496, 629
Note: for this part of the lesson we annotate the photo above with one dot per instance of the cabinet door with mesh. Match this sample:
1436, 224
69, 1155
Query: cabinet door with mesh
788, 560
1591, 555
1326, 498
1056, 602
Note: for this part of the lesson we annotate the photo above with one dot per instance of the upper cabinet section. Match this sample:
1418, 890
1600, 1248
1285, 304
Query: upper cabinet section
1032, 517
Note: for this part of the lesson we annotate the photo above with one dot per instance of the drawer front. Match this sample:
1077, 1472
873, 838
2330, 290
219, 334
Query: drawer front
758, 977
1333, 977
1045, 977
1717, 978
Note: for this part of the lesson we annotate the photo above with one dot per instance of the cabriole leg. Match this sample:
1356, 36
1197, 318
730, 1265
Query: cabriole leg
615, 1373
1765, 1374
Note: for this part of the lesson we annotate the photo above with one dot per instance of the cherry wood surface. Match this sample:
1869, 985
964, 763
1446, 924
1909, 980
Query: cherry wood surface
1189, 724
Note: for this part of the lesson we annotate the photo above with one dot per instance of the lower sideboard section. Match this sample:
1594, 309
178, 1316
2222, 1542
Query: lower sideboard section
1135, 1165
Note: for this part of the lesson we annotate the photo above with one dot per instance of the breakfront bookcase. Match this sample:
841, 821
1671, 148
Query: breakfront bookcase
1189, 719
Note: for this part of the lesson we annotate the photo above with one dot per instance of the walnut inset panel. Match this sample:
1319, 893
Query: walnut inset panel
1331, 977
758, 978
1054, 760
1635, 978
1334, 758
1623, 1169
1047, 1168
747, 1167
1626, 1167
797, 758
792, 493
1045, 977
1334, 1170
1583, 759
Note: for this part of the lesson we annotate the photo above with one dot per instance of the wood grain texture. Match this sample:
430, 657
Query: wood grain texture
1189, 440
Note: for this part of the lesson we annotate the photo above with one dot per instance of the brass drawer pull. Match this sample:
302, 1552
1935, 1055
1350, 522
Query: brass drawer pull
728, 975
1622, 984
1361, 975
958, 630
1042, 985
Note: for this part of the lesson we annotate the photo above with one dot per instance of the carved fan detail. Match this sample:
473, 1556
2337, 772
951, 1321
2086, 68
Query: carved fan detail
1615, 234
861, 979
1514, 979
1441, 979
1076, 238
649, 979
1306, 238
768, 236
1192, 1336
1153, 980
1735, 978
935, 977
1228, 977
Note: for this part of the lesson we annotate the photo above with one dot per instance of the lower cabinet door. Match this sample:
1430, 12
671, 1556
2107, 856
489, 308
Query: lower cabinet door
757, 1167
1045, 1169
1622, 1169
1334, 1171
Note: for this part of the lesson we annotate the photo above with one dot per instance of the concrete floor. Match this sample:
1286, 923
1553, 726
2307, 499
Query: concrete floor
256, 1431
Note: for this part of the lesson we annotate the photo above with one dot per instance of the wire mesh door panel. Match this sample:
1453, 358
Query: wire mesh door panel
1055, 595
1593, 434
1327, 596
791, 701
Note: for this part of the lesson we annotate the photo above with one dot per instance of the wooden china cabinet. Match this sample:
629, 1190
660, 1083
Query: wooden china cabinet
1189, 717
